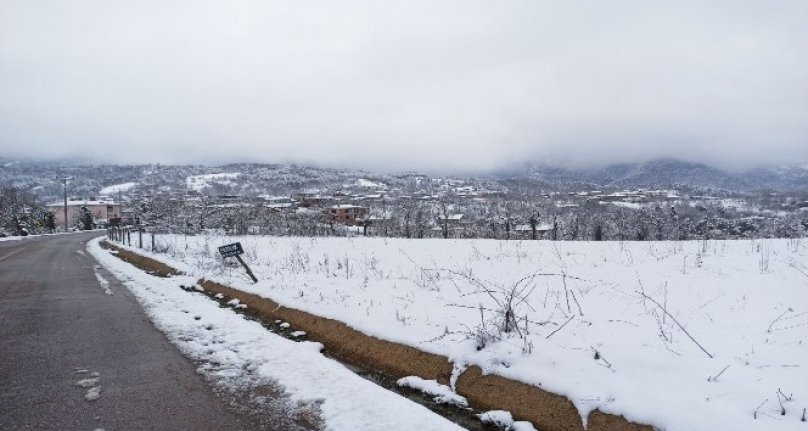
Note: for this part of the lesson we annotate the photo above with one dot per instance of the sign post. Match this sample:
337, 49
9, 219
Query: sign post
235, 250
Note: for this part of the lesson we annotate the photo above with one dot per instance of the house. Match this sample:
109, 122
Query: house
452, 220
307, 199
348, 214
525, 231
454, 224
278, 203
103, 211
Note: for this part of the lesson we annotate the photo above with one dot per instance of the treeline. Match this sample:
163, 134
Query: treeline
506, 217
502, 217
21, 213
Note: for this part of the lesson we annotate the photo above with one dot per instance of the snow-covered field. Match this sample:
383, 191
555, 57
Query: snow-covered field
117, 188
684, 336
20, 238
199, 182
241, 356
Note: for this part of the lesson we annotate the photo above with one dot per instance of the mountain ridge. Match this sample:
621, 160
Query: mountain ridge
44, 178
673, 173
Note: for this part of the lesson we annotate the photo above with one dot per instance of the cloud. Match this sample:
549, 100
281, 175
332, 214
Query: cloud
456, 85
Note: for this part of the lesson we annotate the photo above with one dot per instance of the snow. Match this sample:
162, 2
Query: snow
240, 354
93, 393
522, 426
87, 383
82, 202
504, 420
32, 236
599, 321
103, 282
442, 393
539, 228
117, 188
235, 303
498, 418
631, 205
199, 182
361, 182
91, 384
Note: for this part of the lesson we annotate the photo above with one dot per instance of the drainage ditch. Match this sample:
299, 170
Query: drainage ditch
465, 417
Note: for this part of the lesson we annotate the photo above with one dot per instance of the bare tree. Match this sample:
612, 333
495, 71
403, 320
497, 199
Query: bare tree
534, 223
443, 217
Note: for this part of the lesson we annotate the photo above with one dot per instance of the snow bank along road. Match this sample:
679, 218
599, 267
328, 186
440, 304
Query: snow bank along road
243, 359
77, 353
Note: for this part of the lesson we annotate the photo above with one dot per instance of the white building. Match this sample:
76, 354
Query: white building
103, 211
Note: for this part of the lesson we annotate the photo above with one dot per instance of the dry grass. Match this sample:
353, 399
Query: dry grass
149, 265
344, 342
599, 421
546, 410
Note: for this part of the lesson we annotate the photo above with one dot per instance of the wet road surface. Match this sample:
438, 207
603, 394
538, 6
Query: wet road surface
58, 327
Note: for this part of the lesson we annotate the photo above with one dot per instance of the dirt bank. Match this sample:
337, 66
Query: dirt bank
149, 265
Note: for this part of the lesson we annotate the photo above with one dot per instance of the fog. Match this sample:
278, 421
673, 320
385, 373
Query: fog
431, 85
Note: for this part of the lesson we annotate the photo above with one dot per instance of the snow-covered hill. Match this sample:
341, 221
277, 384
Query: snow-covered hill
670, 173
249, 179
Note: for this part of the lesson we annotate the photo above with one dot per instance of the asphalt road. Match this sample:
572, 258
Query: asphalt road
56, 320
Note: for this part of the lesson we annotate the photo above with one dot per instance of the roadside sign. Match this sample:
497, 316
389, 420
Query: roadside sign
235, 250
231, 250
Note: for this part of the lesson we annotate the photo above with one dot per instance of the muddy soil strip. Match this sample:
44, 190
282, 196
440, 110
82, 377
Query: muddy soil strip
462, 416
547, 411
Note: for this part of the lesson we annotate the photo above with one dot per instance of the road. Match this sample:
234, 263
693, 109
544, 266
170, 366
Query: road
58, 326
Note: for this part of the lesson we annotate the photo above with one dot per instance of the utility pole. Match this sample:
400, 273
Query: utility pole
64, 187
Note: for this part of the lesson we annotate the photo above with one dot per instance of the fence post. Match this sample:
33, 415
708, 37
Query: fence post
152, 243
129, 236
140, 238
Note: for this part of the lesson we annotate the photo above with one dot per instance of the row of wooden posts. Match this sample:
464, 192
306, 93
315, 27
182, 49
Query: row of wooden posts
124, 236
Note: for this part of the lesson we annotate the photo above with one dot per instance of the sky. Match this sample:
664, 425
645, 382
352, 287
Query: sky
431, 85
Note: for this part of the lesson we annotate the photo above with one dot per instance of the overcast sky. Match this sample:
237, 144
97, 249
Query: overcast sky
456, 85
